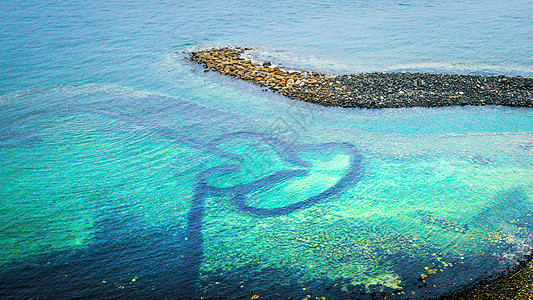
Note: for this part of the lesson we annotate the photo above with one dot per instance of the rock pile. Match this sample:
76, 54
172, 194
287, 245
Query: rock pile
374, 90
227, 61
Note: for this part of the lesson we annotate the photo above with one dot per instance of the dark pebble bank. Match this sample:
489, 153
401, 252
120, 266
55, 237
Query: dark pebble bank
381, 90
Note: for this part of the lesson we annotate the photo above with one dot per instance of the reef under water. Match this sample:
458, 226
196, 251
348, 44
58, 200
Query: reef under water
105, 198
240, 193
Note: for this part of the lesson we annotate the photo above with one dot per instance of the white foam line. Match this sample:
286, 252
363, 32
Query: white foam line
293, 62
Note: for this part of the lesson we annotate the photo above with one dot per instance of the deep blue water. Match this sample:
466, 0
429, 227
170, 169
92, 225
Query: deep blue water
129, 172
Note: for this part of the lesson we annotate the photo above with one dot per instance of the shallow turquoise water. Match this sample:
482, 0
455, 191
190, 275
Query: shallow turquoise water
128, 172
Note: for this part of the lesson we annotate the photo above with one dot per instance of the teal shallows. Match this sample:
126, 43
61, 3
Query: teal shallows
424, 201
108, 197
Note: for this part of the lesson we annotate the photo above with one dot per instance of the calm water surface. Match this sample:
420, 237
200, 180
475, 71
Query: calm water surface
129, 172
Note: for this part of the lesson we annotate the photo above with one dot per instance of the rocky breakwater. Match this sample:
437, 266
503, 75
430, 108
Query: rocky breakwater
374, 90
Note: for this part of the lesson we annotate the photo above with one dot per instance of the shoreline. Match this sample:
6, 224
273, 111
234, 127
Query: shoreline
515, 284
371, 90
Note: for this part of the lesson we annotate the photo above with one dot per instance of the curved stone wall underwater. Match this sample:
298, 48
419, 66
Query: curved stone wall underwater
193, 248
118, 201
289, 152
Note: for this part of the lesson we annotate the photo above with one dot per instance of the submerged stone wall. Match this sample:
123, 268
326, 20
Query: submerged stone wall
374, 90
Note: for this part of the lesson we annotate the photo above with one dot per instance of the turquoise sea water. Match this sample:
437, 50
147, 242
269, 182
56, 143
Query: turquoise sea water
128, 172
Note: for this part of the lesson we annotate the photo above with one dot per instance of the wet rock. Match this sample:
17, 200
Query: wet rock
374, 90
